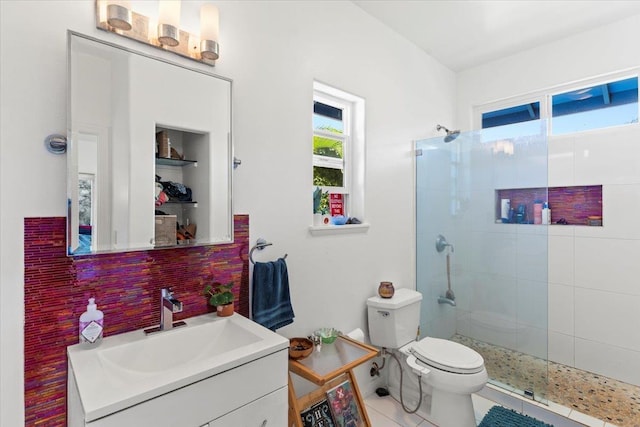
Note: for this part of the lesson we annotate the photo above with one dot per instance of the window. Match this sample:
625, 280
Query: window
330, 140
596, 105
511, 115
338, 152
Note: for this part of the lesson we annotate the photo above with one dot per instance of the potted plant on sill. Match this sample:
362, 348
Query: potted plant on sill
222, 298
320, 207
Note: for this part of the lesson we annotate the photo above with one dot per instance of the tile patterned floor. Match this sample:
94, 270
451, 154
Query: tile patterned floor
387, 412
593, 395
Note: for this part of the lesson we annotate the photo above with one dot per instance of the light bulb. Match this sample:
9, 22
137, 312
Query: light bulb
119, 14
209, 31
169, 22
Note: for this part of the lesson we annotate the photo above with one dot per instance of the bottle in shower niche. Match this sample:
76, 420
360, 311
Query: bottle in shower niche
91, 325
546, 214
537, 212
505, 207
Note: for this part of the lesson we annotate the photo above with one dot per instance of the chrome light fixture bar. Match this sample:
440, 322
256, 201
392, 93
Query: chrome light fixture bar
116, 16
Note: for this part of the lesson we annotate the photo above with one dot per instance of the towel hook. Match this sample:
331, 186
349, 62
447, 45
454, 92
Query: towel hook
260, 245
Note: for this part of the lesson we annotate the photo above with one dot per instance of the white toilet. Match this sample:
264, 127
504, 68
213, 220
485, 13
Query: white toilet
451, 371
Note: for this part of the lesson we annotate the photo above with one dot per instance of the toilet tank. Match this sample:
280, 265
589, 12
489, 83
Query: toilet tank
394, 322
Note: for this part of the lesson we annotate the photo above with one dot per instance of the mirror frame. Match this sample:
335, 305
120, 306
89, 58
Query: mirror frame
71, 224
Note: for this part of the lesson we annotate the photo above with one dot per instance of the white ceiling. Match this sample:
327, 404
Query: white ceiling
465, 33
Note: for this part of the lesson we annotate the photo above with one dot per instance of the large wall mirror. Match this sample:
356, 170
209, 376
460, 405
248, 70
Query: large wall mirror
149, 152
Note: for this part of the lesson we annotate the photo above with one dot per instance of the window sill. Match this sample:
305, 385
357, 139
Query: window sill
327, 230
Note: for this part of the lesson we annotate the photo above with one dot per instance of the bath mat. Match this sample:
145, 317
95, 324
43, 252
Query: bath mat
499, 416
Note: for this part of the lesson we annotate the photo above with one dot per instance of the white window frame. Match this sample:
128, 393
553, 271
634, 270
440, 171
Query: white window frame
353, 138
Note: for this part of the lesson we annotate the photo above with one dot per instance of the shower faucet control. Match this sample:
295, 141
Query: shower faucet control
441, 243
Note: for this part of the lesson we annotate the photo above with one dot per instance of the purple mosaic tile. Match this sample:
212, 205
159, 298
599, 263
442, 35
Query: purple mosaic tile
573, 204
126, 287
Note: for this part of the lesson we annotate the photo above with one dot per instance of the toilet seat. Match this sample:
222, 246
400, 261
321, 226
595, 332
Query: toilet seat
448, 356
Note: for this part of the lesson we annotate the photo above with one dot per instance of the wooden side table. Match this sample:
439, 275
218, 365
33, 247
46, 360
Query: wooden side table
329, 368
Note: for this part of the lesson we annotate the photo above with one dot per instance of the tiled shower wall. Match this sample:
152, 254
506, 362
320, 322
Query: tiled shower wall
594, 292
590, 273
127, 289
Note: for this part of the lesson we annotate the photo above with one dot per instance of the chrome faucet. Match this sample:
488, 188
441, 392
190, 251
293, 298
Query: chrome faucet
168, 305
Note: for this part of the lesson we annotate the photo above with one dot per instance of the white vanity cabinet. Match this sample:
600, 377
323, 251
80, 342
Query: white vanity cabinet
242, 387
269, 411
244, 396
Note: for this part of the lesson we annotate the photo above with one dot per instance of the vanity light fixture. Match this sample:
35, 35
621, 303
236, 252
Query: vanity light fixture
209, 31
117, 16
169, 22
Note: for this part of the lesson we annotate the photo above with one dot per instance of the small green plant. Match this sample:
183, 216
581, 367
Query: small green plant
320, 201
219, 295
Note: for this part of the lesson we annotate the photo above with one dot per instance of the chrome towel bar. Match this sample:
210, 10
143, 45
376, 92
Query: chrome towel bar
260, 245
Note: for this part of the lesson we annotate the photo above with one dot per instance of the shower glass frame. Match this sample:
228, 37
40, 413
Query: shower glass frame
499, 271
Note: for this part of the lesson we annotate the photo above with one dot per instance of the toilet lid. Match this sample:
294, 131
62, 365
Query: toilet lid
448, 356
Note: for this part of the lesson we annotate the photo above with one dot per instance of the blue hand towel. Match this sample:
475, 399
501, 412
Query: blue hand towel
271, 302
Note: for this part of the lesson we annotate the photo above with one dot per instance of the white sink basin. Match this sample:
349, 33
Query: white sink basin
130, 368
168, 350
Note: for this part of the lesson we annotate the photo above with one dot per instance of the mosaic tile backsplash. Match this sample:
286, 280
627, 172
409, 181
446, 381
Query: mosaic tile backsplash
127, 289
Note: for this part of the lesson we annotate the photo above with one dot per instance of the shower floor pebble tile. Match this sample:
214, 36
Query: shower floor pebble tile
588, 396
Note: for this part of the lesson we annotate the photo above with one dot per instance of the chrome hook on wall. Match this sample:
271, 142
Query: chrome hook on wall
56, 143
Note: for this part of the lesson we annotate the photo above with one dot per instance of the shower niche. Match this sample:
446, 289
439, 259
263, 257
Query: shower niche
572, 205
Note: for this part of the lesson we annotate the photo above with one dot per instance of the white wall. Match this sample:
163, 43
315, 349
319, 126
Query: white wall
593, 292
273, 51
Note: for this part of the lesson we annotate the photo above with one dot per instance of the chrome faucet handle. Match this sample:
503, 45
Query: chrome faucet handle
441, 243
176, 306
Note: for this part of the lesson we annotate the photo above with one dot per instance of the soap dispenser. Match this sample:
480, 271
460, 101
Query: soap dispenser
91, 324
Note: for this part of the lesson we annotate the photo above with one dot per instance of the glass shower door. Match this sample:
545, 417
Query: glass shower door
495, 263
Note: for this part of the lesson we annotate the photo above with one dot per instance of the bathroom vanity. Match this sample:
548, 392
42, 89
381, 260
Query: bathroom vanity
213, 372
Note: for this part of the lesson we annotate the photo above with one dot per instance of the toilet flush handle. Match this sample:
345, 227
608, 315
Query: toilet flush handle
416, 367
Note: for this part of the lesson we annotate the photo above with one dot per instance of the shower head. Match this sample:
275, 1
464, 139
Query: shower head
451, 134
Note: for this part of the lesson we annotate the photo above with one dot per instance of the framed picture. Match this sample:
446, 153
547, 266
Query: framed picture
318, 415
344, 406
